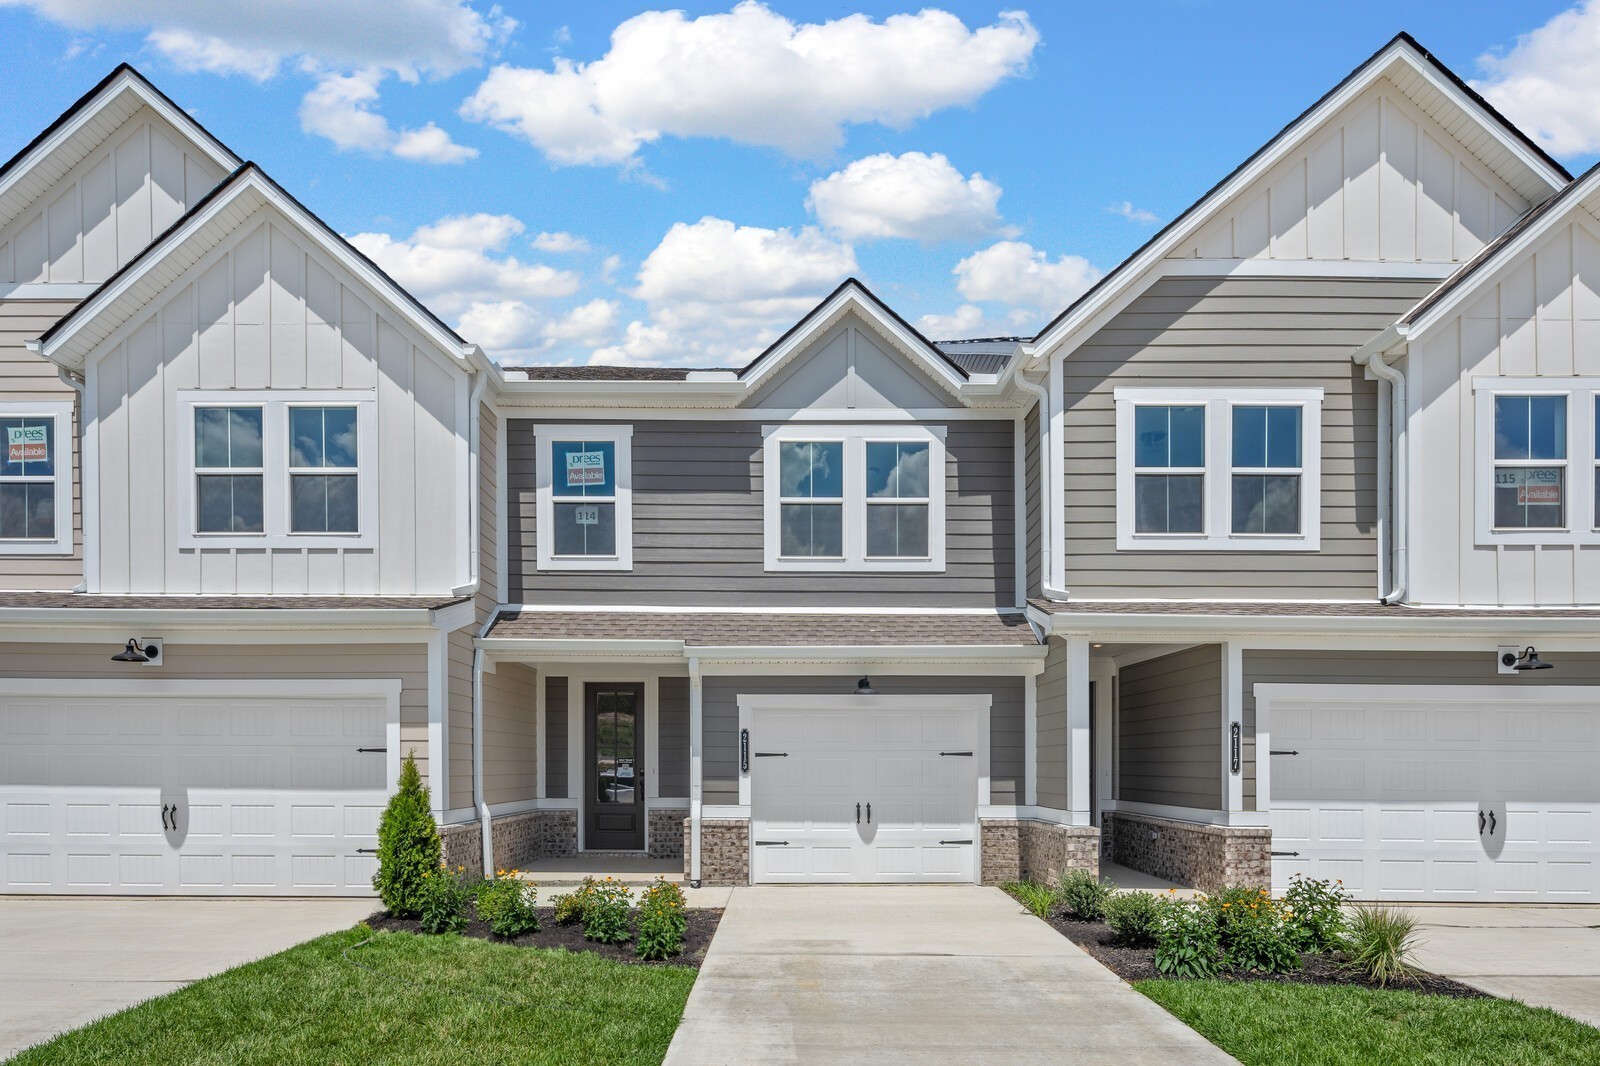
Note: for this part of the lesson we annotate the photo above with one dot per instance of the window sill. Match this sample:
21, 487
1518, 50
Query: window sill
558, 566
1202, 543
277, 541
1554, 538
41, 547
856, 566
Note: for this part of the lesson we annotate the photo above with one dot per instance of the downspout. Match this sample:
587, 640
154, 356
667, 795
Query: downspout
480, 381
696, 788
479, 800
1399, 452
1047, 515
79, 387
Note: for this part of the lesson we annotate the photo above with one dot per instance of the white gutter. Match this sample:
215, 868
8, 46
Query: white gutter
1400, 459
332, 619
480, 381
1048, 515
79, 387
696, 761
485, 823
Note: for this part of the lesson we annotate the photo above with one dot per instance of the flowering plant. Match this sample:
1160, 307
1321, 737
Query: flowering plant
663, 921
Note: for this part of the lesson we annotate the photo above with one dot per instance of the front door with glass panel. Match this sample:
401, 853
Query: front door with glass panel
614, 743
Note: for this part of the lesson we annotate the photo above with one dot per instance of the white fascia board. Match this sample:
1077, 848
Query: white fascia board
1136, 268
452, 617
1179, 627
882, 653
516, 393
522, 647
332, 619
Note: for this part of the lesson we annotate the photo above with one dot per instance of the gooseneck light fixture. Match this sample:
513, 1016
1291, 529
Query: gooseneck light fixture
131, 654
1528, 660
864, 688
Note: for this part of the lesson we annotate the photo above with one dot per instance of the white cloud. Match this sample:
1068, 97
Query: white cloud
1016, 274
718, 293
1133, 214
914, 195
191, 52
430, 144
559, 243
504, 328
340, 108
586, 326
1549, 82
752, 76
970, 320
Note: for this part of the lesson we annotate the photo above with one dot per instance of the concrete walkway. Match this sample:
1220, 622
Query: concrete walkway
70, 960
1544, 956
924, 974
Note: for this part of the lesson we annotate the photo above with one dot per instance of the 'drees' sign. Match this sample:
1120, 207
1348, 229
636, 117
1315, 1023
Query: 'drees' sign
27, 444
1536, 485
588, 516
586, 468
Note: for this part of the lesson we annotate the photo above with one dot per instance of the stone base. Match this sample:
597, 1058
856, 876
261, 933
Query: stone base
1208, 857
724, 851
1023, 849
519, 839
666, 832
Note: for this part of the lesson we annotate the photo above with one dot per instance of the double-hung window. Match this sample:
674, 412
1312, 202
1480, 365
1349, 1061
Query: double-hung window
290, 469
1218, 469
854, 498
585, 498
36, 479
1533, 437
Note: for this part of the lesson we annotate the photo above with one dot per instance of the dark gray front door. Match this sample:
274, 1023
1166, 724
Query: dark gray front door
614, 724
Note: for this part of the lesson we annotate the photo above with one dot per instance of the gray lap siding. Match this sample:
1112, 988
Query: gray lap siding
698, 526
1169, 729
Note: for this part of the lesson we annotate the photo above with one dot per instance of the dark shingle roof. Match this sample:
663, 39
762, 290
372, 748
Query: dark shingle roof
981, 355
749, 629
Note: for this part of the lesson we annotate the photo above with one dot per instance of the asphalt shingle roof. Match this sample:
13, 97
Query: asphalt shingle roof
746, 629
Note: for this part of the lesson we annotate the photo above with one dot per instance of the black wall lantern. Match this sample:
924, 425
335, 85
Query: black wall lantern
1528, 660
864, 688
131, 654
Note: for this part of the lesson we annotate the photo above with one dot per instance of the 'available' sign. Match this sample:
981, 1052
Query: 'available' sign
27, 444
586, 468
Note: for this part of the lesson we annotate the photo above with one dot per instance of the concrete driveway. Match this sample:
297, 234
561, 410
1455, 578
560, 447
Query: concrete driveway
71, 960
927, 974
1544, 956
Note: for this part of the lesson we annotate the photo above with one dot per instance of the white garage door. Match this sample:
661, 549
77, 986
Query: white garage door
864, 795
223, 791
1437, 793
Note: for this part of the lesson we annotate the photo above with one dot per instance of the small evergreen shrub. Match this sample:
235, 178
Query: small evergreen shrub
605, 917
1035, 897
1132, 916
1084, 895
1379, 944
507, 903
663, 921
571, 907
445, 895
408, 844
1187, 940
1316, 909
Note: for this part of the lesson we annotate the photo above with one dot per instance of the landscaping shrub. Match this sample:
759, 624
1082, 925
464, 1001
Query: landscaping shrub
1132, 916
1316, 910
605, 916
663, 921
1380, 942
1254, 931
1084, 895
408, 844
445, 895
507, 903
571, 907
1035, 897
1187, 941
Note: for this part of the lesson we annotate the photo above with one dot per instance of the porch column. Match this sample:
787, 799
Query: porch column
696, 749
1078, 713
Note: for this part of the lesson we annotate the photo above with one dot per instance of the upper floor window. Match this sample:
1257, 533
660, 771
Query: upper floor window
281, 468
1218, 469
854, 498
1530, 431
36, 479
585, 498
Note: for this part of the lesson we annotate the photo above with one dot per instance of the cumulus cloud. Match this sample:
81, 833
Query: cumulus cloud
970, 320
430, 144
559, 243
718, 293
340, 108
752, 76
1016, 274
914, 195
1133, 214
1549, 82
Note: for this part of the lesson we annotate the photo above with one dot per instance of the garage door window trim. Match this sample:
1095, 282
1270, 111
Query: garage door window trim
35, 493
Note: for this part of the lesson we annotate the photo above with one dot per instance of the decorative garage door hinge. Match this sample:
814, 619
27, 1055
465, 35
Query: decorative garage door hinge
772, 843
968, 754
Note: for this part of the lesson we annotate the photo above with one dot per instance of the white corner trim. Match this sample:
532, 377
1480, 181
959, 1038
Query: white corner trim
621, 438
60, 415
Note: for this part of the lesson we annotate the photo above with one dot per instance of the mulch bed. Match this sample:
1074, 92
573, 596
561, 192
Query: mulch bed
702, 927
1139, 964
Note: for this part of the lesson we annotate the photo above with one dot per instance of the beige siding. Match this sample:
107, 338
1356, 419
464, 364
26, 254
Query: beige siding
458, 673
510, 728
1169, 729
265, 309
1051, 695
1191, 332
414, 741
25, 377
1380, 180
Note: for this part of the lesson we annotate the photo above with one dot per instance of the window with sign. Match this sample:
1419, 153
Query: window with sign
1530, 462
854, 498
35, 479
585, 497
1538, 460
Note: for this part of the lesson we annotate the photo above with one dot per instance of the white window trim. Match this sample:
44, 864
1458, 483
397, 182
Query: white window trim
1579, 464
621, 437
61, 413
855, 439
1217, 523
275, 405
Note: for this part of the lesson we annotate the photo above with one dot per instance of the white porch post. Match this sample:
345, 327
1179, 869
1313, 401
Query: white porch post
696, 786
1232, 722
1030, 739
438, 733
1078, 714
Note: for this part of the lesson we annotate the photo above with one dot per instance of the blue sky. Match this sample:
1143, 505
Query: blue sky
978, 166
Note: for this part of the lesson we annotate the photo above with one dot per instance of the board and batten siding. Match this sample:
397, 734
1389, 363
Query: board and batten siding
107, 208
29, 378
1424, 669
263, 310
1380, 180
697, 526
1541, 318
672, 737
720, 718
1169, 729
1052, 736
1216, 332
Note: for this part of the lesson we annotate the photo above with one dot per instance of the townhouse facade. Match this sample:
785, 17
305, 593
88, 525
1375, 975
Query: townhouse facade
1250, 563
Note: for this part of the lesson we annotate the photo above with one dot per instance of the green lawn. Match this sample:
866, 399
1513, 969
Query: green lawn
433, 1000
1263, 1022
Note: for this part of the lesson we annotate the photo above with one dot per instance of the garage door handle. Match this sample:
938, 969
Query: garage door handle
968, 754
169, 809
772, 843
1481, 821
858, 814
869, 814
955, 841
1491, 823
